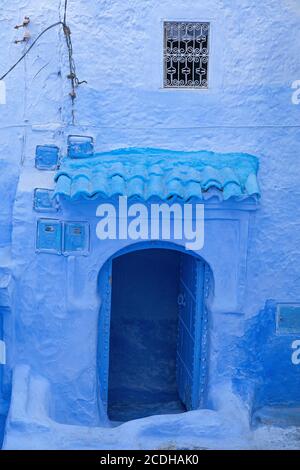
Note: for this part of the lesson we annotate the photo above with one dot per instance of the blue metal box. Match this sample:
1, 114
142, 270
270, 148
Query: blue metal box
46, 157
80, 146
43, 200
76, 237
288, 319
49, 236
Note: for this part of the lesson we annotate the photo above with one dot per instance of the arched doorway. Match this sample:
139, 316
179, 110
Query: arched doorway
153, 333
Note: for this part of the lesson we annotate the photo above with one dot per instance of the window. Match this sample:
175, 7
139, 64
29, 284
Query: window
186, 54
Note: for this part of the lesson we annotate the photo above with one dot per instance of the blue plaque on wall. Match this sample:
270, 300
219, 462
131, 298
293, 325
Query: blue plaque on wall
288, 319
49, 236
46, 157
76, 237
43, 200
80, 146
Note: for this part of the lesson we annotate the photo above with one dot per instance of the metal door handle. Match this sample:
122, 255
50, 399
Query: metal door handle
181, 300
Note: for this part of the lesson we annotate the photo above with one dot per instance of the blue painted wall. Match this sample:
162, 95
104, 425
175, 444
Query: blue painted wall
248, 108
2, 410
269, 366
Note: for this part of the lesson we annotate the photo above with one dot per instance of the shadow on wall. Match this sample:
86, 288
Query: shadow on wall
2, 427
8, 185
5, 313
266, 363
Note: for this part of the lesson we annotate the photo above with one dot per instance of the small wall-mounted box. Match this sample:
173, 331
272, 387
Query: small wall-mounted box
2, 353
44, 201
288, 319
76, 238
80, 146
69, 238
49, 236
6, 290
46, 157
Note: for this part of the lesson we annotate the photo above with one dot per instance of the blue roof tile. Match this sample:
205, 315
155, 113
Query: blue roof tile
148, 172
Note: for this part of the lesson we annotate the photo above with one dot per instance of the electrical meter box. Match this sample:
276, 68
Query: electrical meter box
43, 200
76, 237
288, 319
49, 236
80, 146
46, 157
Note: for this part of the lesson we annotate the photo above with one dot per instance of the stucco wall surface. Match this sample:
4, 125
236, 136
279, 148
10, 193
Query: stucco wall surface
118, 50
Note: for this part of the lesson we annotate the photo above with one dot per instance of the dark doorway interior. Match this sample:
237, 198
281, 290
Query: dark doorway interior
143, 335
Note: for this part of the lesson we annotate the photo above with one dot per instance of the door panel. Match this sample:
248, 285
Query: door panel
190, 305
105, 283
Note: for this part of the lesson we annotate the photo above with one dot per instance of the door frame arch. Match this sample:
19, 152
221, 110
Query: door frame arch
104, 287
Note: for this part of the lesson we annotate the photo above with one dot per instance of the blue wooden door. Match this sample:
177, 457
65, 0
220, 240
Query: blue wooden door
105, 285
191, 308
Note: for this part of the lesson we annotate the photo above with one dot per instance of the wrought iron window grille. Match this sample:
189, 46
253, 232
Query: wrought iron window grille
186, 54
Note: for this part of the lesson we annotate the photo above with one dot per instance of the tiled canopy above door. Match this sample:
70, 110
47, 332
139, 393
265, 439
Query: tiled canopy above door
166, 174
